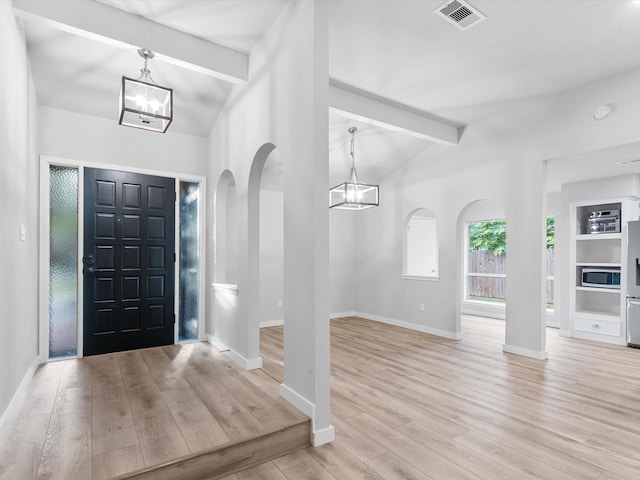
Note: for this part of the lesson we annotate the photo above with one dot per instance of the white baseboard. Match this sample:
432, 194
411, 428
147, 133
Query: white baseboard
525, 352
410, 326
13, 406
343, 314
318, 437
323, 436
216, 343
483, 309
243, 362
297, 400
246, 363
278, 323
272, 323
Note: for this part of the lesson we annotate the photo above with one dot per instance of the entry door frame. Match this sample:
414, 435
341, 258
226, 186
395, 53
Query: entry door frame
46, 162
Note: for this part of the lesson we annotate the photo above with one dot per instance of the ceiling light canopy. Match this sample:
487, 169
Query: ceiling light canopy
143, 104
353, 194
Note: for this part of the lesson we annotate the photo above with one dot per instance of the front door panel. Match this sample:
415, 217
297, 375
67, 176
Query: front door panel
128, 264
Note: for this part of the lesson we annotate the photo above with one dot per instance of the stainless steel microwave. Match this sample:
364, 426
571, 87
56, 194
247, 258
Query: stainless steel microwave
600, 277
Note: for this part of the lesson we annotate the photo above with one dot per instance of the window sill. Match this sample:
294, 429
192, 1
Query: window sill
485, 302
422, 278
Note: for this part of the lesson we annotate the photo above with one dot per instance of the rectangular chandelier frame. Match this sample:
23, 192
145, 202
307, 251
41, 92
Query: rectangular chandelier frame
145, 105
354, 196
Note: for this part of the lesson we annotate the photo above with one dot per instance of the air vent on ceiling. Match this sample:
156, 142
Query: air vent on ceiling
460, 13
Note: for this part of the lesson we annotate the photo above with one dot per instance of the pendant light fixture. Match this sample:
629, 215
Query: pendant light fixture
353, 194
143, 104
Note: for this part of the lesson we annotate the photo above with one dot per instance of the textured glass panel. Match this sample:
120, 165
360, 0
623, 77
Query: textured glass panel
189, 248
63, 265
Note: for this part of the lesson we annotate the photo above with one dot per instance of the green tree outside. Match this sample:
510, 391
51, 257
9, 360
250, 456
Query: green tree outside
492, 235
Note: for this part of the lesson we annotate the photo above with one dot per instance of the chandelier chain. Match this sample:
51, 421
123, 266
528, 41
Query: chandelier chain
352, 150
145, 73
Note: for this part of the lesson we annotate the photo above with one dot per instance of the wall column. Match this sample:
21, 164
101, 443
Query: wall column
526, 267
306, 223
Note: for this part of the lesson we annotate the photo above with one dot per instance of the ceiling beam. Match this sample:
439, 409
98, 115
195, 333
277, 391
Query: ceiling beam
121, 29
368, 108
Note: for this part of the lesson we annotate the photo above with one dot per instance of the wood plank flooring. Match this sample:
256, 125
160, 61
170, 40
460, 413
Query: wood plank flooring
105, 416
408, 405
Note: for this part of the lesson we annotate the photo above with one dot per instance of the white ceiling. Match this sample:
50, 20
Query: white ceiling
396, 49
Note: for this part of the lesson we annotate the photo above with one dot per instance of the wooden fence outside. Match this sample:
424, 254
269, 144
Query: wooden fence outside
486, 264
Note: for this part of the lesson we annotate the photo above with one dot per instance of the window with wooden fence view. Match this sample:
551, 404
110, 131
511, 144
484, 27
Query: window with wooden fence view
487, 260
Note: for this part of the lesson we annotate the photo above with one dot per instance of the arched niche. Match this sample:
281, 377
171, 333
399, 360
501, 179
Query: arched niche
420, 243
226, 230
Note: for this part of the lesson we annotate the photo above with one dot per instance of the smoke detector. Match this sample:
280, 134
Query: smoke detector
602, 112
460, 13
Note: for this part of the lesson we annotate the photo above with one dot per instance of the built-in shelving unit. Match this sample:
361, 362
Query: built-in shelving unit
599, 313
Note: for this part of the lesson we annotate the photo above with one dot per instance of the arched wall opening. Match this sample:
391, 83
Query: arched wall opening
481, 286
266, 240
224, 311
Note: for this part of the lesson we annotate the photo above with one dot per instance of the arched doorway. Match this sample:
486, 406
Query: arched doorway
266, 239
482, 257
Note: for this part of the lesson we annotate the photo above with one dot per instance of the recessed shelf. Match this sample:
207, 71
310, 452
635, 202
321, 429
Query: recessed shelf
594, 315
602, 250
599, 313
599, 264
598, 289
599, 236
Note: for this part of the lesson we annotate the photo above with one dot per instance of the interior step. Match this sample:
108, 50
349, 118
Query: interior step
232, 457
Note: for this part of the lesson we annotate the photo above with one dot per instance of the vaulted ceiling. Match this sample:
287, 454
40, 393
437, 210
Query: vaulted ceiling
399, 50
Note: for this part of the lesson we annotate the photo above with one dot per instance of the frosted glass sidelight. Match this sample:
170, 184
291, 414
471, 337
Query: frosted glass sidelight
63, 263
189, 260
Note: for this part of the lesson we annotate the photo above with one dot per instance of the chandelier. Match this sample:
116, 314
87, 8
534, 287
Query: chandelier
143, 104
353, 194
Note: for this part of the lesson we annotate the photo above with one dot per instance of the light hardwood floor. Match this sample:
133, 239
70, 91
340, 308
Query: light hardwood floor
99, 417
408, 405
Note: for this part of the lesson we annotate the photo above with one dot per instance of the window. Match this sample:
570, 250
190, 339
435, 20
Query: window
486, 261
551, 225
189, 261
421, 245
63, 262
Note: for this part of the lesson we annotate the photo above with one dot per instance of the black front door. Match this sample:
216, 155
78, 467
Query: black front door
128, 263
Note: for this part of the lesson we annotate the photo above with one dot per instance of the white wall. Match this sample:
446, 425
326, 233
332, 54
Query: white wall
341, 259
284, 104
18, 205
98, 140
342, 263
271, 257
500, 158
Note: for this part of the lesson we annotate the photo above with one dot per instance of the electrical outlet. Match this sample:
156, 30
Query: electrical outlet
279, 302
421, 307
